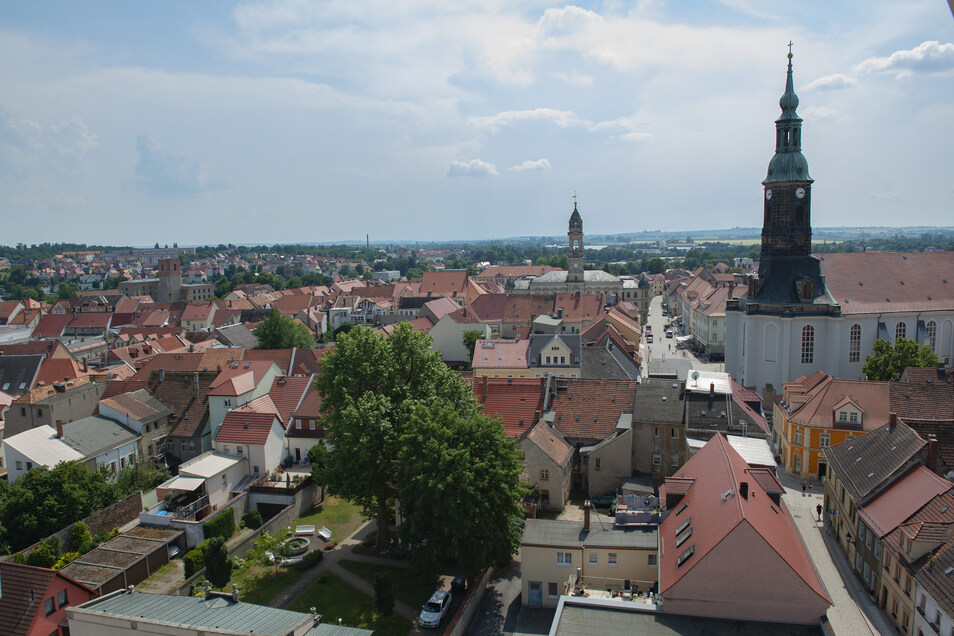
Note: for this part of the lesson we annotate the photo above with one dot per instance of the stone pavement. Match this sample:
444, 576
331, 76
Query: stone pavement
852, 611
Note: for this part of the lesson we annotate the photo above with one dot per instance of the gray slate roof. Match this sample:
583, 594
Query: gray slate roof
719, 416
864, 463
17, 373
93, 434
602, 533
600, 362
649, 405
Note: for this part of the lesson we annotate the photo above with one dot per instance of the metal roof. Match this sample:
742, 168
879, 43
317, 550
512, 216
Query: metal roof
199, 613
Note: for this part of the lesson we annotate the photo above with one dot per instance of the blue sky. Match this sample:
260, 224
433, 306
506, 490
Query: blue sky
284, 121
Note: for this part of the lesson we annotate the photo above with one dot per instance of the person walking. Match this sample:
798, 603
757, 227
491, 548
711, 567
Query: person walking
818, 509
804, 487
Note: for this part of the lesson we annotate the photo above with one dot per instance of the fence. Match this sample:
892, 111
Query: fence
462, 621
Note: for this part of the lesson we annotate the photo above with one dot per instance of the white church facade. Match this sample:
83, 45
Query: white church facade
805, 313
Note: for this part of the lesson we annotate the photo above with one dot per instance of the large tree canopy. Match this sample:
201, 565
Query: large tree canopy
888, 361
383, 399
281, 332
459, 482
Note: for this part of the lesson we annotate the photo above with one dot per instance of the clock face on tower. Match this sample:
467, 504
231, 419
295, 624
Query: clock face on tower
800, 193
576, 266
768, 195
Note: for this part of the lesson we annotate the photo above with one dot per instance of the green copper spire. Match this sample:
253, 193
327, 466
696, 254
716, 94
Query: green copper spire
788, 164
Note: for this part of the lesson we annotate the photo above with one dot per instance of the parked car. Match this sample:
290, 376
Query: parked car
716, 357
649, 338
458, 585
669, 333
435, 609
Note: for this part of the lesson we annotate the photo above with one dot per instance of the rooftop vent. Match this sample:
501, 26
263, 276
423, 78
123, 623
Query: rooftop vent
949, 571
726, 494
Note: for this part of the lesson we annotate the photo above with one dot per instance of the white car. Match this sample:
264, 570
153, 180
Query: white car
435, 609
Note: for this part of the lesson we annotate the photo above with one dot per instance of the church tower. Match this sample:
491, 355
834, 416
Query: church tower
575, 235
781, 328
788, 273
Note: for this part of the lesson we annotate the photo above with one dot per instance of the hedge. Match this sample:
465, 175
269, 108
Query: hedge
221, 525
252, 519
194, 560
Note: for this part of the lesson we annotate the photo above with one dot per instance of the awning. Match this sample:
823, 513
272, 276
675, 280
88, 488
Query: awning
184, 483
683, 338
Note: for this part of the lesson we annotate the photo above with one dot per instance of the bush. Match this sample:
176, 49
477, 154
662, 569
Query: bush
66, 559
194, 560
221, 525
79, 535
218, 565
310, 560
252, 519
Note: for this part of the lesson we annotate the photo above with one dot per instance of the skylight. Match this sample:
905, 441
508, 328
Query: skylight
685, 555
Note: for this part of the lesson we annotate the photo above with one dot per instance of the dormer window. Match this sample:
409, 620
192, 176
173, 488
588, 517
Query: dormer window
842, 416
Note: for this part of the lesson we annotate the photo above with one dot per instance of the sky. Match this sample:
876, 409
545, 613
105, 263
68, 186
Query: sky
285, 121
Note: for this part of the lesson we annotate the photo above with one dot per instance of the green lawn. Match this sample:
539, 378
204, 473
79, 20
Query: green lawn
408, 588
259, 583
333, 599
338, 515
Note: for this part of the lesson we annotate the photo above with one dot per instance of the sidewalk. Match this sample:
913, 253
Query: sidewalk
852, 611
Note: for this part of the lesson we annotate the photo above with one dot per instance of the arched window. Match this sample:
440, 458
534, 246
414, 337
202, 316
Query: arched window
808, 344
932, 335
854, 343
900, 331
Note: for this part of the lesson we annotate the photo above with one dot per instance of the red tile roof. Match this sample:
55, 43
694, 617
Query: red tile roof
24, 591
518, 402
92, 320
548, 439
890, 282
59, 369
288, 392
501, 354
589, 408
244, 426
51, 326
902, 499
238, 378
717, 470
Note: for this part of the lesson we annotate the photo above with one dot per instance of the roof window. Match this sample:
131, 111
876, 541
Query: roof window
685, 555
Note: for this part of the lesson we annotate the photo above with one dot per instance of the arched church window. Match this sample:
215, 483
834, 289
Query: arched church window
854, 343
808, 344
932, 335
901, 331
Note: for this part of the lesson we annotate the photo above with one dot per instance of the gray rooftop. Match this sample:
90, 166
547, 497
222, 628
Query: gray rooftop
585, 619
601, 362
602, 533
221, 614
17, 373
659, 402
95, 433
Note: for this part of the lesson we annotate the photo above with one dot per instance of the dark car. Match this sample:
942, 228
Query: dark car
458, 585
716, 357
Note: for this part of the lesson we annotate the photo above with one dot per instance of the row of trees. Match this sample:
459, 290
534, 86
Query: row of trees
44, 500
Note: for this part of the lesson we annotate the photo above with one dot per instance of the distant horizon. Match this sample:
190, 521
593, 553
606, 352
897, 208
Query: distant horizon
701, 235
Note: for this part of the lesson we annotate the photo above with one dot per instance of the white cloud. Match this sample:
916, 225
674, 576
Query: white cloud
472, 168
26, 146
578, 80
561, 118
531, 166
927, 57
818, 113
163, 173
833, 82
637, 137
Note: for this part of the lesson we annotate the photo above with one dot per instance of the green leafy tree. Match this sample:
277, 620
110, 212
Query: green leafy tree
218, 565
281, 332
470, 341
371, 385
80, 535
888, 361
383, 593
448, 460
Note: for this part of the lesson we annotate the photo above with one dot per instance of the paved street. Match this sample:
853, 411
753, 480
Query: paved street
852, 611
501, 612
662, 356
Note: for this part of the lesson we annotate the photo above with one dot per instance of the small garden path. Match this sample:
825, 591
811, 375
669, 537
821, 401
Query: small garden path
331, 563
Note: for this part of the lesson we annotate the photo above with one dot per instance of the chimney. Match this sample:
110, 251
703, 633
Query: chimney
711, 390
162, 375
892, 420
59, 429
932, 453
744, 489
85, 366
191, 348
586, 515
235, 598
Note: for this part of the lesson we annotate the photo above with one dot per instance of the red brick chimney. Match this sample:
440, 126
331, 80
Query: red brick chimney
586, 515
932, 453
892, 420
59, 429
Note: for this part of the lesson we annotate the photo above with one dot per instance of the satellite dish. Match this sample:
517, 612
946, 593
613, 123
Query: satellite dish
695, 375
